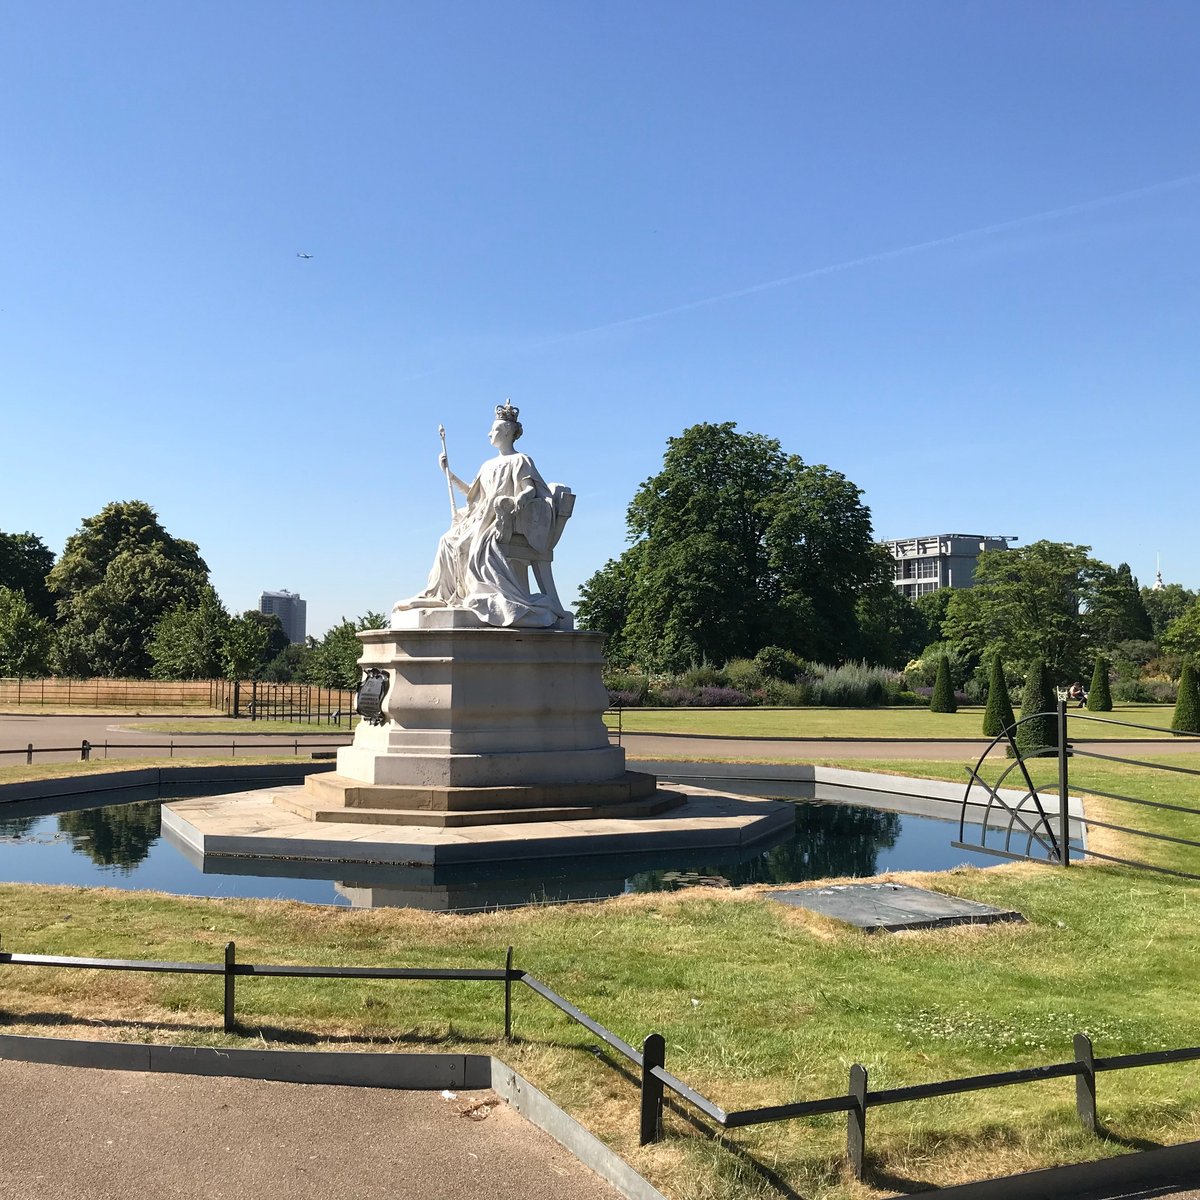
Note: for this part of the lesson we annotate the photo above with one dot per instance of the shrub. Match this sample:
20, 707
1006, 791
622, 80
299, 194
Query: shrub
1099, 695
922, 671
1039, 735
703, 676
1187, 704
1144, 691
942, 700
998, 716
787, 695
627, 684
852, 685
743, 674
774, 662
676, 697
925, 694
723, 697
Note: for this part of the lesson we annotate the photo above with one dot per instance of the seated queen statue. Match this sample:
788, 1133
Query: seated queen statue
511, 523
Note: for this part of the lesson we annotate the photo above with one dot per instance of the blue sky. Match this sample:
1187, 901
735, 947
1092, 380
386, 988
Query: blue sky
979, 224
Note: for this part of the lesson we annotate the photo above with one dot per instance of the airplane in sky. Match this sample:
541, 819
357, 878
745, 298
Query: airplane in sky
301, 254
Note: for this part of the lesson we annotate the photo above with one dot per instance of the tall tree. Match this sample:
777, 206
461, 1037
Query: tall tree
1182, 636
1165, 604
25, 561
119, 574
334, 660
24, 637
1117, 612
186, 643
1028, 604
736, 546
942, 700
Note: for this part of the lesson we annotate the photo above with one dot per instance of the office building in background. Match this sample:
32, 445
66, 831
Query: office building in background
289, 608
941, 560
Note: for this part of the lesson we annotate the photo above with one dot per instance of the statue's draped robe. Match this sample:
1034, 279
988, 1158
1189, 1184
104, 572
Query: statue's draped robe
472, 570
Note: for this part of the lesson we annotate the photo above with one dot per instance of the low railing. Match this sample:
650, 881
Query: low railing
655, 1079
1048, 822
87, 749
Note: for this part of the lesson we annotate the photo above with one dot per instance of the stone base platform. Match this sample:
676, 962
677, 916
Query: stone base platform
261, 824
336, 798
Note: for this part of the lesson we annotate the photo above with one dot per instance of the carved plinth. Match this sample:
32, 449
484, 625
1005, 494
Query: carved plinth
485, 708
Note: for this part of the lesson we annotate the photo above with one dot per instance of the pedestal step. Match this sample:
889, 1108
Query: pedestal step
313, 809
338, 791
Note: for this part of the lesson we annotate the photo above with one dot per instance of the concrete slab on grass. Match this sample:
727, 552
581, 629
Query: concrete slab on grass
892, 906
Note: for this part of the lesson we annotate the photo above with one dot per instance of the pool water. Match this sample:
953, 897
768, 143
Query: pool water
121, 845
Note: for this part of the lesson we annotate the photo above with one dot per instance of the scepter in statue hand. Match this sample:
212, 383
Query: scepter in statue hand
446, 468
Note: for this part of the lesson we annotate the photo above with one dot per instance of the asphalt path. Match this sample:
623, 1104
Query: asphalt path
79, 1133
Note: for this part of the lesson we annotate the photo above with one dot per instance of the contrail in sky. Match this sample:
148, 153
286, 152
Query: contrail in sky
900, 252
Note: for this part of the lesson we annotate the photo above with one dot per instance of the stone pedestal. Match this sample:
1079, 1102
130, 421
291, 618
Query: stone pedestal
485, 708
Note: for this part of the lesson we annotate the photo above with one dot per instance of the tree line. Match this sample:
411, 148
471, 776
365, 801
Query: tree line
736, 546
127, 599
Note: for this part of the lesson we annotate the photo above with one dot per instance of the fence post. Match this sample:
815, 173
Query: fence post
29, 754
856, 1120
508, 974
654, 1054
1064, 816
1085, 1082
237, 695
85, 751
230, 959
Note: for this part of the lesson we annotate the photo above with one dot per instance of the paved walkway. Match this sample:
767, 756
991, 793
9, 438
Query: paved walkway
77, 1133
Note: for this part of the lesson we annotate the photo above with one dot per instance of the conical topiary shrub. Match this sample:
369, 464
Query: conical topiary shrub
998, 716
1187, 702
942, 699
1100, 694
1040, 734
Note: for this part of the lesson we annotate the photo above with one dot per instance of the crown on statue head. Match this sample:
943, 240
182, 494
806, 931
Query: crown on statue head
506, 411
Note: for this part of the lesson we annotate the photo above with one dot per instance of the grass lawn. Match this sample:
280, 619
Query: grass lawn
21, 773
758, 1003
108, 710
866, 723
244, 726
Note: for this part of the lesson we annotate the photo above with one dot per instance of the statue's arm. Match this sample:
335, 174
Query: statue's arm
444, 465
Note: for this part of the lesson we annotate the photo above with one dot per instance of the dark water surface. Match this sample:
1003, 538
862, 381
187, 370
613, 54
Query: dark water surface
70, 841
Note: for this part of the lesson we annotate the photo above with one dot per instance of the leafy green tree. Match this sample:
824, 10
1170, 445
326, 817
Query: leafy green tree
187, 642
891, 627
1039, 701
1028, 604
334, 660
277, 638
1099, 693
119, 574
934, 606
736, 546
1165, 604
25, 562
604, 601
244, 646
291, 664
24, 637
998, 716
1182, 636
1116, 612
1186, 718
942, 700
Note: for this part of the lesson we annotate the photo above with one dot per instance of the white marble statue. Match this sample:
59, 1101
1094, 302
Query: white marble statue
512, 522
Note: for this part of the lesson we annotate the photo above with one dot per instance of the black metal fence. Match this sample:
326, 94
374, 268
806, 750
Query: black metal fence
306, 703
1041, 817
87, 750
650, 1061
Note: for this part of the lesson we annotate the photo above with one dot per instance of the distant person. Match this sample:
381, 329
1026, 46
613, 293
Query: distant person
1077, 694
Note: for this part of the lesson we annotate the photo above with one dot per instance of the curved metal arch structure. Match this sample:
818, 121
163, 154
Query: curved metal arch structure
1026, 819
